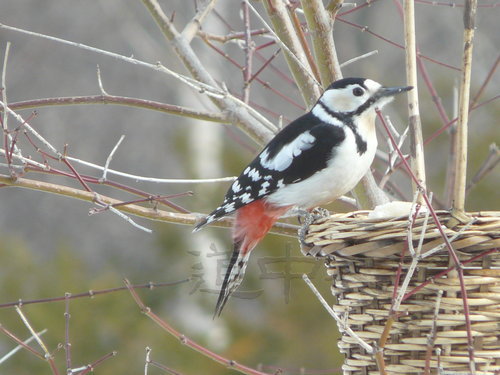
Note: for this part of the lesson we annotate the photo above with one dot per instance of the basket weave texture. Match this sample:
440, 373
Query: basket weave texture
362, 256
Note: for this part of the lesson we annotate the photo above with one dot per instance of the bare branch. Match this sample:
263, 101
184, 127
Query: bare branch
254, 124
321, 30
110, 157
19, 347
4, 87
459, 183
193, 26
187, 341
488, 165
132, 209
416, 139
357, 58
248, 120
294, 53
123, 100
48, 356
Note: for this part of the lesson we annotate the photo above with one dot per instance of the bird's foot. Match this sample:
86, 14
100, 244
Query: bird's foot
306, 218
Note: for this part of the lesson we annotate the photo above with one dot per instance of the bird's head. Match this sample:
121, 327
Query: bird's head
356, 96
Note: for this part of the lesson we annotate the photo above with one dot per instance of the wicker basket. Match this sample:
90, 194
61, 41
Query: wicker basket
363, 256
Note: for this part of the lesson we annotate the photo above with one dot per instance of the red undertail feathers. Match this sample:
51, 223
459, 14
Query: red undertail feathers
251, 224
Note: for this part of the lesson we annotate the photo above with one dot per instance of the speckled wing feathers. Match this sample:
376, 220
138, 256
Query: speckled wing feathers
297, 152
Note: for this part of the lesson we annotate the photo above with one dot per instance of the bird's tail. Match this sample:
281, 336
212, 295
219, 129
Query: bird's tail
252, 222
234, 276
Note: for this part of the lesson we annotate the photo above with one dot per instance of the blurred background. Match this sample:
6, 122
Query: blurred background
50, 245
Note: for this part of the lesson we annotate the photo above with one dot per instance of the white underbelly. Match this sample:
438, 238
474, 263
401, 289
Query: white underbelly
340, 176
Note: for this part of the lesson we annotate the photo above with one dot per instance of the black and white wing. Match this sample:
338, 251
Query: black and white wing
297, 152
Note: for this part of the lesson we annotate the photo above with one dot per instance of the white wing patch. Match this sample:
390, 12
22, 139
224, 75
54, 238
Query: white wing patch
284, 158
263, 188
254, 174
236, 187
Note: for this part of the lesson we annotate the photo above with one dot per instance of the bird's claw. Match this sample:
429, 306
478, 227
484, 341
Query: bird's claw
306, 218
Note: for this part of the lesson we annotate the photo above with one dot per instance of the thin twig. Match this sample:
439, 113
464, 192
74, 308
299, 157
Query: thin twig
231, 36
357, 58
126, 101
127, 175
21, 343
341, 323
67, 343
249, 48
109, 158
120, 214
485, 82
5, 117
366, 29
31, 130
93, 365
151, 214
249, 120
187, 341
48, 356
491, 161
294, 54
453, 255
148, 360
99, 82
431, 337
299, 31
91, 293
415, 254
242, 115
19, 347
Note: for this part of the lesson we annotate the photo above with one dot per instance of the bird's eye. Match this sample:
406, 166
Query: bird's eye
358, 91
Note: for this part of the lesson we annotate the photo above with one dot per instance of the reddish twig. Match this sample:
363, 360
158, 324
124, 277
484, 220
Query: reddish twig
263, 83
445, 272
90, 293
67, 344
95, 180
305, 46
92, 366
20, 342
398, 45
187, 341
120, 100
485, 83
457, 264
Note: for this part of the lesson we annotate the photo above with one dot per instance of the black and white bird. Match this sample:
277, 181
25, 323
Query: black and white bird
314, 160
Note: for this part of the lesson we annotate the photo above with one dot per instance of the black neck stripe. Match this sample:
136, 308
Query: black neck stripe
346, 119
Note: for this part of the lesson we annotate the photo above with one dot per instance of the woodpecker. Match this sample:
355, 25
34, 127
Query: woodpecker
314, 160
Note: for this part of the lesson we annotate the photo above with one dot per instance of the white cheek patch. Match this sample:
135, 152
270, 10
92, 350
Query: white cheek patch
284, 158
342, 100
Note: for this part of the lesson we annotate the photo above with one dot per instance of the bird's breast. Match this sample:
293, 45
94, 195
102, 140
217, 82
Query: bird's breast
344, 170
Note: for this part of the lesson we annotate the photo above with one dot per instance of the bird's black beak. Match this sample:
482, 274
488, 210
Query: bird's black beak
392, 91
